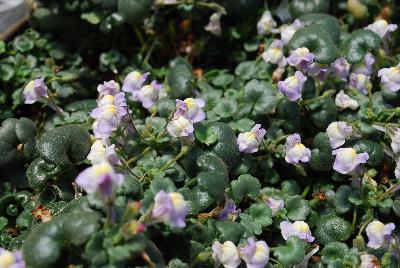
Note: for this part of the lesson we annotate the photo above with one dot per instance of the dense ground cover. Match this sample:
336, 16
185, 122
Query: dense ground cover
167, 133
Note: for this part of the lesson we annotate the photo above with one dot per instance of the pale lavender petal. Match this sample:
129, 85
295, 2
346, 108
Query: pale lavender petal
390, 78
341, 68
292, 87
301, 58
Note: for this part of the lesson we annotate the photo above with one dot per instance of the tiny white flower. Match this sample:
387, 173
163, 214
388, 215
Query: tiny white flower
295, 151
100, 152
226, 254
382, 28
344, 101
379, 234
274, 54
214, 25
347, 159
266, 23
287, 31
337, 133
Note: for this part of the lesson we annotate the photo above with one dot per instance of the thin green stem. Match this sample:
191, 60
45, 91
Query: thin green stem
213, 6
318, 88
277, 262
353, 223
281, 139
48, 82
139, 36
370, 96
363, 226
388, 191
306, 190
124, 163
326, 94
142, 153
203, 256
149, 52
183, 151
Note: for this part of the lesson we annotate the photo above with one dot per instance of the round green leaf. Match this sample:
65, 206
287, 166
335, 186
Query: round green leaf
180, 78
358, 43
374, 150
261, 96
134, 11
297, 208
245, 185
331, 228
292, 253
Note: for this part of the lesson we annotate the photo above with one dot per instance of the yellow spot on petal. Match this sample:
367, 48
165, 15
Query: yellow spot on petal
6, 259
301, 226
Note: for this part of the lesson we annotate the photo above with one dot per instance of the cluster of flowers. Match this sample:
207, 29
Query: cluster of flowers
101, 179
347, 159
302, 59
256, 254
357, 76
146, 94
188, 112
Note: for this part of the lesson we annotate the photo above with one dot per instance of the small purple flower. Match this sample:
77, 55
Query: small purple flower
100, 152
295, 151
360, 82
266, 24
274, 54
390, 78
100, 179
229, 212
170, 208
347, 159
109, 114
214, 25
134, 81
382, 28
180, 126
287, 31
226, 254
148, 94
255, 254
10, 259
341, 68
318, 71
193, 109
298, 228
337, 133
248, 142
274, 204
108, 88
35, 90
379, 234
344, 101
365, 67
293, 86
301, 58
